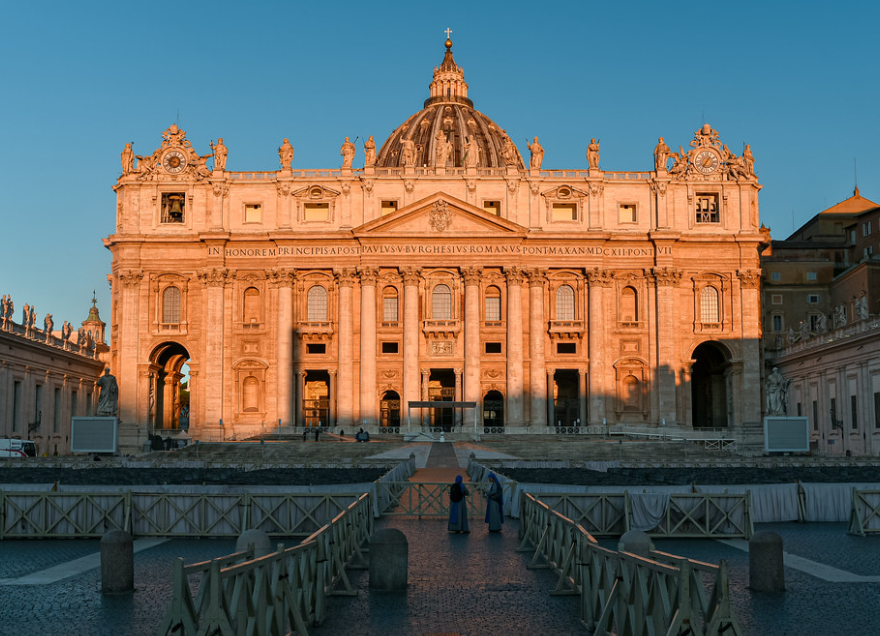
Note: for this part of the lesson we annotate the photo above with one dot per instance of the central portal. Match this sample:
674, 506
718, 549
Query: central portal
441, 388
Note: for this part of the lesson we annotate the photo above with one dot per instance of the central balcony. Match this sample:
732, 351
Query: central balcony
441, 328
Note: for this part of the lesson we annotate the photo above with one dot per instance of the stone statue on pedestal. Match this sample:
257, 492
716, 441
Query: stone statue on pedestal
661, 154
408, 154
777, 392
220, 153
347, 151
369, 152
537, 157
127, 160
108, 401
593, 154
862, 306
285, 154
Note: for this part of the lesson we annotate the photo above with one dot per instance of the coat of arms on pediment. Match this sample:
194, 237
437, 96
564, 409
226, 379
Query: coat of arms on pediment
440, 216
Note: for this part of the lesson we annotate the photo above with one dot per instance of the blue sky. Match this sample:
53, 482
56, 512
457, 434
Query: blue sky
797, 81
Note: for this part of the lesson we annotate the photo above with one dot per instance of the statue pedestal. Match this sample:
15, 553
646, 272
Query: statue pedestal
131, 439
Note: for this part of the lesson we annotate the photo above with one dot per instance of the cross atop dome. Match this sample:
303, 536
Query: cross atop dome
448, 84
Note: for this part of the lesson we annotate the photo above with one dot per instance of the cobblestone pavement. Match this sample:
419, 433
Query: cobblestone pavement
474, 584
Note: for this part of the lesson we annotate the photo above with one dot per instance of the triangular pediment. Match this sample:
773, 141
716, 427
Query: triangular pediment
440, 216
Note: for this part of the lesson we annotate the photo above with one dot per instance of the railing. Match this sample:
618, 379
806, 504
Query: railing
280, 593
865, 516
622, 593
89, 515
430, 499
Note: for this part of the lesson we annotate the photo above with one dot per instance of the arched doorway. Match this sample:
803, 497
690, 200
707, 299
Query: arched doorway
170, 388
316, 398
493, 410
709, 386
390, 409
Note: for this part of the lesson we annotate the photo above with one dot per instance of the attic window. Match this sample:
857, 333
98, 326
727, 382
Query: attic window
492, 207
253, 213
316, 211
389, 207
565, 211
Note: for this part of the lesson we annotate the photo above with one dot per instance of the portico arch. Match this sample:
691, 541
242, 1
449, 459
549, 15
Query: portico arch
710, 386
169, 401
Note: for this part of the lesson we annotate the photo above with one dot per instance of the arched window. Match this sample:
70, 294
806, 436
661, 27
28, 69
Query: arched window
252, 305
565, 303
493, 303
441, 303
389, 305
317, 304
629, 305
250, 399
709, 304
171, 306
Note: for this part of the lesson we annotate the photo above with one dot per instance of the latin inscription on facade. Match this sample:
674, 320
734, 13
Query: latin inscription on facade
357, 250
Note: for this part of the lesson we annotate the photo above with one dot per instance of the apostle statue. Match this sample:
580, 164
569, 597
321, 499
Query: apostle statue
66, 330
862, 306
108, 401
777, 392
661, 154
127, 160
285, 154
347, 151
804, 330
472, 152
369, 153
48, 323
441, 149
408, 154
823, 323
4, 307
537, 157
593, 154
840, 316
220, 153
509, 153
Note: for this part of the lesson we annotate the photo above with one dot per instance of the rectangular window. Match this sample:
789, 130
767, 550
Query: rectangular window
493, 308
775, 276
777, 323
866, 229
814, 322
390, 347
799, 409
316, 349
854, 411
815, 415
877, 410
833, 413
566, 347
73, 404
89, 404
565, 212
812, 276
16, 406
316, 212
813, 299
253, 213
38, 405
776, 299
56, 414
492, 207
493, 347
389, 207
173, 207
707, 208
390, 309
627, 213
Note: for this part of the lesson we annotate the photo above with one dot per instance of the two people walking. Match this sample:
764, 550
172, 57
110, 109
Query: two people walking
458, 492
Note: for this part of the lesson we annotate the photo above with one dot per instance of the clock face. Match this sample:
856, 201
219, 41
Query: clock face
174, 161
706, 161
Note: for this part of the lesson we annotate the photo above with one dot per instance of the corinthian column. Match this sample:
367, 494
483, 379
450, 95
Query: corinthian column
472, 276
215, 282
666, 280
600, 281
537, 330
514, 410
285, 347
369, 411
345, 360
411, 277
129, 291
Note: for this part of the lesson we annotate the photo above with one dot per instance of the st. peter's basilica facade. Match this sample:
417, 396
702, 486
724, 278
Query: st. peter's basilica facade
446, 268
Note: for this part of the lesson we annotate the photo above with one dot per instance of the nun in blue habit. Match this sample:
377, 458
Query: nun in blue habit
458, 520
494, 504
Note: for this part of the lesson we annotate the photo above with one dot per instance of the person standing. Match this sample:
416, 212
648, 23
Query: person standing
494, 504
458, 519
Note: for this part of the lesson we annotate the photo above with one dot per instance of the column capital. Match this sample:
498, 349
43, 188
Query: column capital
537, 277
344, 277
458, 371
426, 372
600, 278
130, 277
472, 275
369, 276
331, 372
514, 276
411, 275
215, 277
666, 276
749, 278
281, 277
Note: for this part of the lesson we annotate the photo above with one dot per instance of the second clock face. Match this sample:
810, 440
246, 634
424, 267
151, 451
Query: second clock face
174, 161
706, 161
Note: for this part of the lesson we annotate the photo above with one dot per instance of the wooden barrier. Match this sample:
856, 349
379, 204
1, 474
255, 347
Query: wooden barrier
865, 516
622, 593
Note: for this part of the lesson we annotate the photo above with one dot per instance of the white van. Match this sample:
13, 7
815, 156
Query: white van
17, 448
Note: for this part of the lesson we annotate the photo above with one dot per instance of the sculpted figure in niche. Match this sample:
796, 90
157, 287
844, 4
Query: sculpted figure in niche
285, 154
748, 160
840, 316
109, 398
409, 152
127, 159
537, 154
661, 155
509, 153
472, 153
220, 153
593, 154
347, 151
442, 148
777, 392
862, 306
369, 153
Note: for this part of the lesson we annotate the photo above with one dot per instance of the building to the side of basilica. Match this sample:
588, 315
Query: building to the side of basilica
445, 268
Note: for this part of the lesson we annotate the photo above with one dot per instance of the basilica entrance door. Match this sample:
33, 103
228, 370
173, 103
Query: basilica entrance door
566, 405
390, 409
493, 410
709, 390
441, 387
316, 399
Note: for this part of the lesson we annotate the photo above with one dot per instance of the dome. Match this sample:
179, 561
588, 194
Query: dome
449, 115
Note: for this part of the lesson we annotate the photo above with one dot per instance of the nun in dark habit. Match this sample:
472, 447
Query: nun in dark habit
494, 505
